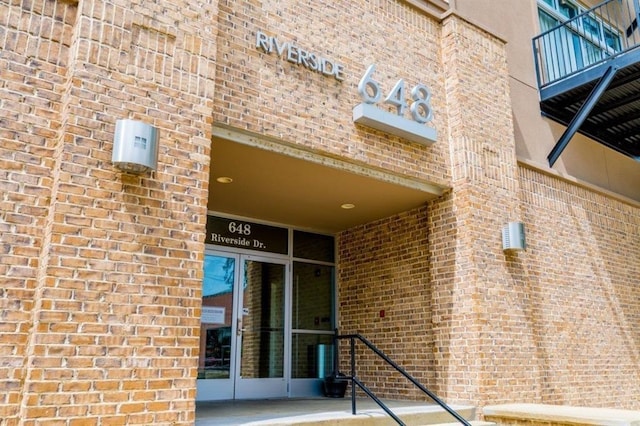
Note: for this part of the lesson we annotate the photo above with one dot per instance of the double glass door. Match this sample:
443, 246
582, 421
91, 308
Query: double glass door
243, 349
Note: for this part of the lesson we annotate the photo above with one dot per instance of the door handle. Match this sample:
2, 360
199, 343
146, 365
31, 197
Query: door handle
239, 329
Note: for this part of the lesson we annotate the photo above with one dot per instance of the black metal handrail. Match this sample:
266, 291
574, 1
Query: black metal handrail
356, 382
572, 46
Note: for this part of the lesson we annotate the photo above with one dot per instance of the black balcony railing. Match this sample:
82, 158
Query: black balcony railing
586, 40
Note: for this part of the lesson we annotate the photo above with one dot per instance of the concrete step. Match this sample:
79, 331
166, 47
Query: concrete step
560, 415
473, 423
412, 416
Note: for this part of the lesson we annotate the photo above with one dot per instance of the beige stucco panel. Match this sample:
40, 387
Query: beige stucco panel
583, 159
513, 21
536, 136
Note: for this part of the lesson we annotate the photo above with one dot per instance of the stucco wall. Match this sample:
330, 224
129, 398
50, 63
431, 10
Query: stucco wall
583, 158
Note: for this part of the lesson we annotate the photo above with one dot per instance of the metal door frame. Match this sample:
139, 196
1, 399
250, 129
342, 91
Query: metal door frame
266, 387
226, 389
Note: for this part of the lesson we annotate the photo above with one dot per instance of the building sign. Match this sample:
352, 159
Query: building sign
369, 114
296, 55
246, 235
212, 315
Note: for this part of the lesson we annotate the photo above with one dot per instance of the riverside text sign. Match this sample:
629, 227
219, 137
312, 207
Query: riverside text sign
299, 56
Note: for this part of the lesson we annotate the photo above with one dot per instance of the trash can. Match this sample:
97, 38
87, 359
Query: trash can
324, 360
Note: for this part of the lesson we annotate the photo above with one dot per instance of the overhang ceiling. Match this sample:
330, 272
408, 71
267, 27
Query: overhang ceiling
273, 187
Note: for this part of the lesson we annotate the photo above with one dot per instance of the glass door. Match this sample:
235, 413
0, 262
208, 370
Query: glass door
260, 329
216, 367
243, 343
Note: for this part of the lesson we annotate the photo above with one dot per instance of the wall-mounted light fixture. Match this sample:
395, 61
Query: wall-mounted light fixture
513, 236
135, 146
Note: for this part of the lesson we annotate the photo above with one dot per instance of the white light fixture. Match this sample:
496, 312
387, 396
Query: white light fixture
348, 206
513, 236
135, 146
224, 179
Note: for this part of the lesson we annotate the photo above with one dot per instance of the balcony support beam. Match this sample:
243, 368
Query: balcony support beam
582, 113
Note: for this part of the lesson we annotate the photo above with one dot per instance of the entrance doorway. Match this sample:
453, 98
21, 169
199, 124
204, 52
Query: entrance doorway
260, 330
243, 324
267, 318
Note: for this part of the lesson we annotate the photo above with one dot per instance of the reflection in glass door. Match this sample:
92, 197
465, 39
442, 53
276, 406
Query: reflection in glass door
242, 335
216, 366
261, 330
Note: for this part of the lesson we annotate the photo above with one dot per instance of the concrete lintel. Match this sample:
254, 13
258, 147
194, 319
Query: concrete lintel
297, 151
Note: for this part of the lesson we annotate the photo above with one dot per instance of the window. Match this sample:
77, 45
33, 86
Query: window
584, 39
312, 305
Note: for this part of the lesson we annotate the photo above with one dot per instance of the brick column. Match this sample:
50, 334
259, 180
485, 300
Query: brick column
115, 322
479, 310
32, 71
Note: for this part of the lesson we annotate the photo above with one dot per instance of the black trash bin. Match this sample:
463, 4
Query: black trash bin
335, 385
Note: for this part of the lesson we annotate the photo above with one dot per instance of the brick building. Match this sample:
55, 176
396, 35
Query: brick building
289, 199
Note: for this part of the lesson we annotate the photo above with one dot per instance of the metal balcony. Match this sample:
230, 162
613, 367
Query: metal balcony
588, 71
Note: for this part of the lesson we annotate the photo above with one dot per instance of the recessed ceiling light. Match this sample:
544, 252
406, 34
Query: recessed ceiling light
224, 179
347, 206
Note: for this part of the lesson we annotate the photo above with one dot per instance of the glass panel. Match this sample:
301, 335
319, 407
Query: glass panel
567, 9
312, 356
307, 245
215, 323
312, 297
552, 45
612, 39
546, 21
591, 27
262, 321
593, 53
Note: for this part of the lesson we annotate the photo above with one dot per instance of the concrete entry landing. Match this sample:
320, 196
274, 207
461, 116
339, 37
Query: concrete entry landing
282, 411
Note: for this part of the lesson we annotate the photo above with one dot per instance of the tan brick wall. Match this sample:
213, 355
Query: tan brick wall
383, 266
105, 275
481, 349
264, 93
100, 302
581, 273
34, 41
554, 324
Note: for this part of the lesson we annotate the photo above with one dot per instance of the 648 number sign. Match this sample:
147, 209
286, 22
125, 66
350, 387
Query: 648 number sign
239, 228
420, 108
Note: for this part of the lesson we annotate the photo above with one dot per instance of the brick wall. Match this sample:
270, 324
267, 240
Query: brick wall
35, 41
265, 94
383, 266
101, 270
581, 277
563, 331
477, 323
104, 268
554, 324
